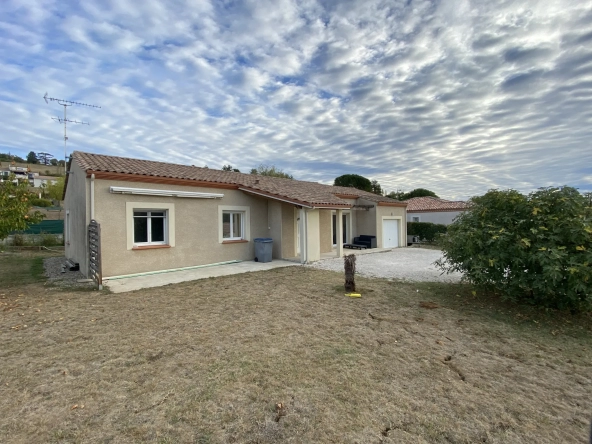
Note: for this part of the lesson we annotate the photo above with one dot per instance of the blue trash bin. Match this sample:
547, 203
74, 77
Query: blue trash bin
263, 249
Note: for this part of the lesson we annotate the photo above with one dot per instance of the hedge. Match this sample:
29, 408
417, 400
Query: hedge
426, 231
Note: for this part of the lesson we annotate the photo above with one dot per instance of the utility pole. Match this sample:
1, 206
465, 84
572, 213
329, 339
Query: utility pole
65, 120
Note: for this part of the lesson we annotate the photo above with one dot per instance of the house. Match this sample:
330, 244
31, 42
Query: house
37, 181
159, 216
434, 210
21, 174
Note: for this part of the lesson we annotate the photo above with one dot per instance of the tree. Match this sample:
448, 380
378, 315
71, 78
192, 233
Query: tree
376, 188
355, 181
54, 162
230, 168
32, 157
397, 195
15, 206
44, 158
535, 248
11, 158
418, 192
270, 170
56, 190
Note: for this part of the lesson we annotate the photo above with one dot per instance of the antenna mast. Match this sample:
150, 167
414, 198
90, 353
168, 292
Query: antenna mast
65, 120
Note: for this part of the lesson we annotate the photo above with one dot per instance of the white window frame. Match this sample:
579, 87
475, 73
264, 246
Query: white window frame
245, 213
415, 217
148, 218
169, 223
232, 227
349, 226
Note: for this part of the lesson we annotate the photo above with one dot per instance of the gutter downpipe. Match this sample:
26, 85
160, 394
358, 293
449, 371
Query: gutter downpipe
92, 216
92, 196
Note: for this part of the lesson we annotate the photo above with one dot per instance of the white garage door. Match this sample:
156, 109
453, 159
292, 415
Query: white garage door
390, 233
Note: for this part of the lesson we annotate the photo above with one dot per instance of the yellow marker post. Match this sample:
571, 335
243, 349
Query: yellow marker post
353, 295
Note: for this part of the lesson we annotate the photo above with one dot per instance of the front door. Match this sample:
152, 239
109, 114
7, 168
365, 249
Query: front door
344, 227
390, 233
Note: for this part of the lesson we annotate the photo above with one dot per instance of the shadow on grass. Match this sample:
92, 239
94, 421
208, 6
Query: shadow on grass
18, 269
491, 306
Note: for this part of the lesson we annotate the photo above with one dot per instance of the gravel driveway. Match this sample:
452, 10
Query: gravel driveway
410, 264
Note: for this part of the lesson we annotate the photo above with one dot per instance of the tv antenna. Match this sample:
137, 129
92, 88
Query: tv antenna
65, 120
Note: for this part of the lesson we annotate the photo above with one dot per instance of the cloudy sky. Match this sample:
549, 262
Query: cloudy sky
455, 96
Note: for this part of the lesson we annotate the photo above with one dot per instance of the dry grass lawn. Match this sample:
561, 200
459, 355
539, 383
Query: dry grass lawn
207, 362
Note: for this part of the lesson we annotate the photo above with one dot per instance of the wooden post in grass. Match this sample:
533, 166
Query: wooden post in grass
349, 262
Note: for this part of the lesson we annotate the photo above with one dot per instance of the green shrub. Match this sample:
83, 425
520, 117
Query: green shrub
19, 240
535, 248
49, 240
426, 231
36, 202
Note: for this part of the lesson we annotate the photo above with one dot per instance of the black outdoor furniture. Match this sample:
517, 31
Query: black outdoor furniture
365, 240
358, 246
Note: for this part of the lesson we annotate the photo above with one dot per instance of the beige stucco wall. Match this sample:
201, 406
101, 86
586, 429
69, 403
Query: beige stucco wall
196, 228
326, 231
288, 231
313, 238
365, 220
274, 214
77, 217
435, 217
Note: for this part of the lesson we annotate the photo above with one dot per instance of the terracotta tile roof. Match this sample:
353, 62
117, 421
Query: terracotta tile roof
311, 193
428, 203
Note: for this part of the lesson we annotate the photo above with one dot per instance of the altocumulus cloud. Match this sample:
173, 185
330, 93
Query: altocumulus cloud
455, 96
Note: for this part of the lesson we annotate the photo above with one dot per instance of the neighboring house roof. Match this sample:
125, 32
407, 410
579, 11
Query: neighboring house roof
429, 204
294, 191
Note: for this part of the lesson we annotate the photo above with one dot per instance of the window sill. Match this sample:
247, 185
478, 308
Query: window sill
149, 247
238, 241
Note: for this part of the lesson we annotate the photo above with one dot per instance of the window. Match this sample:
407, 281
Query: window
150, 227
414, 218
233, 225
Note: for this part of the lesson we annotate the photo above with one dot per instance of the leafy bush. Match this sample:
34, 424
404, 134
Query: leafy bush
15, 206
19, 240
42, 239
50, 240
535, 248
426, 231
36, 202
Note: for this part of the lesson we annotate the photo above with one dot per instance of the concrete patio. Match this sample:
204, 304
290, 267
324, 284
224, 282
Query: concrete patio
122, 284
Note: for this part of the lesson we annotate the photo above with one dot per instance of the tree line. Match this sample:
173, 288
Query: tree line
372, 186
39, 158
345, 180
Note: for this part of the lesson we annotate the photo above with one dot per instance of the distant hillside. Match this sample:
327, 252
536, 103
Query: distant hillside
44, 170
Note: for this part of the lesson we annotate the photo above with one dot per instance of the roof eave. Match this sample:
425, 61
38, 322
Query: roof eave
437, 210
130, 177
391, 204
294, 201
